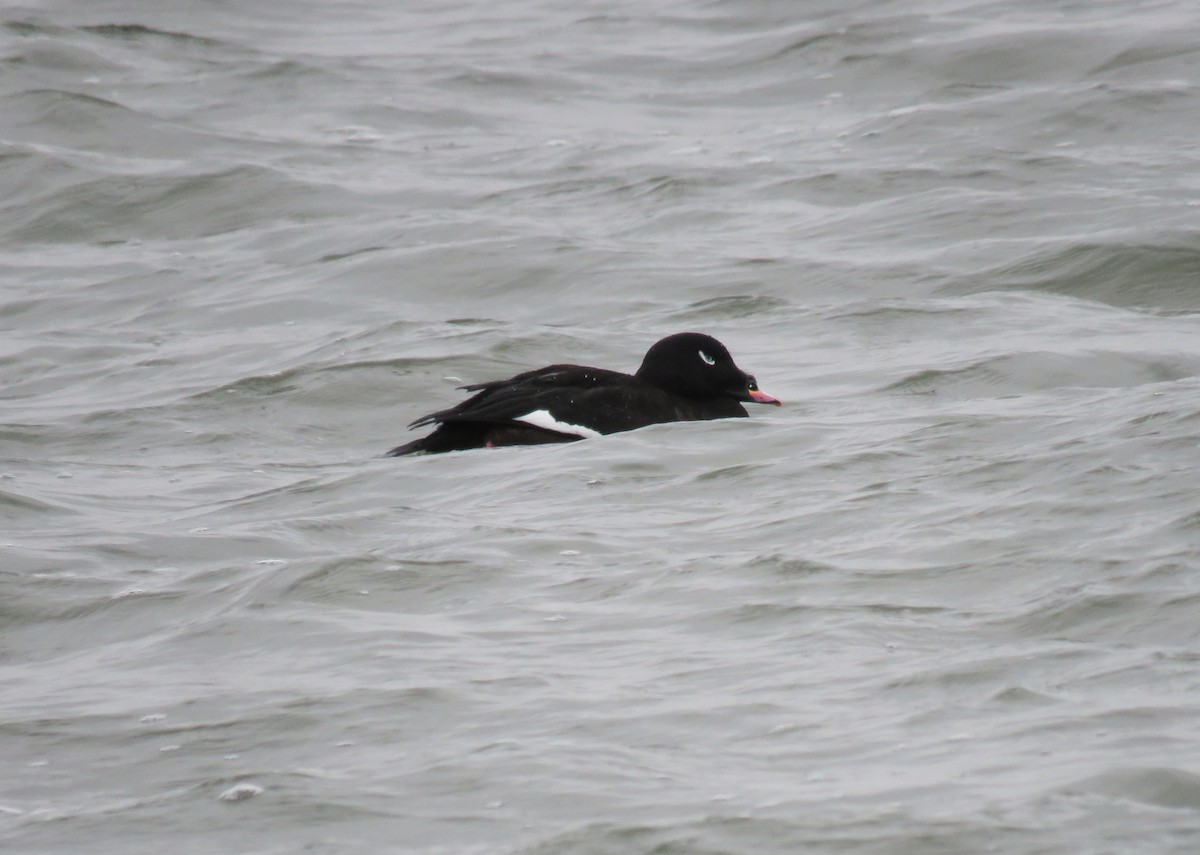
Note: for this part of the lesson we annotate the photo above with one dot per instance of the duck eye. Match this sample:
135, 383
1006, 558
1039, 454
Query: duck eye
708, 360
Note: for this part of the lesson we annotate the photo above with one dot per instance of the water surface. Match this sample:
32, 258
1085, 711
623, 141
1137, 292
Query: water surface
942, 601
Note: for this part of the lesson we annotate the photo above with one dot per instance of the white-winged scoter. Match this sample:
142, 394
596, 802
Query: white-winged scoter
683, 377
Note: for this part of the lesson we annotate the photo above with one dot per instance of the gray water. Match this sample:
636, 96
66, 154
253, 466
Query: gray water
945, 600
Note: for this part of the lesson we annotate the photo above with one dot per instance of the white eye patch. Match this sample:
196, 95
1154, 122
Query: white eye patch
708, 360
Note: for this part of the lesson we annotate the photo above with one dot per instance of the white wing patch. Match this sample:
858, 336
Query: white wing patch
542, 419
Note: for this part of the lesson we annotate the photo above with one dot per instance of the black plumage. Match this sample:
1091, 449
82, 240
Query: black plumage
684, 377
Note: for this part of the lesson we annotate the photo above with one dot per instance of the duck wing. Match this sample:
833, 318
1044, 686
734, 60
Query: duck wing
559, 398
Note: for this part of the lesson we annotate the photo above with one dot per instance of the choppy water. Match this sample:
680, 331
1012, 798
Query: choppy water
945, 600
